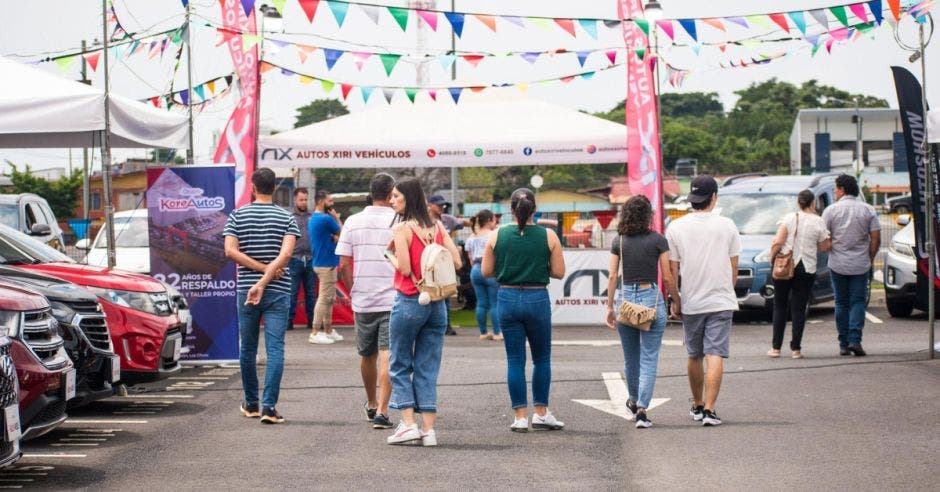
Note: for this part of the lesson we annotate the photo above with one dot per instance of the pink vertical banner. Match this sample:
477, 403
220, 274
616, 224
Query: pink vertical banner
644, 162
237, 142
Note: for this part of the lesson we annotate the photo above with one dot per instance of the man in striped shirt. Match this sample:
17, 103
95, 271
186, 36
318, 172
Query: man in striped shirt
363, 241
260, 238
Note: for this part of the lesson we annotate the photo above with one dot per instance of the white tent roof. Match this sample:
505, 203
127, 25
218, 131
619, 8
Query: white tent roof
483, 130
41, 110
933, 125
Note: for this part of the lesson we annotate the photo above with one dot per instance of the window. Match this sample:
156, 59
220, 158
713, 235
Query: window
822, 201
95, 201
10, 215
34, 215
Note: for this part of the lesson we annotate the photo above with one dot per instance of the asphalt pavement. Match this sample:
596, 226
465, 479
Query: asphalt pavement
824, 422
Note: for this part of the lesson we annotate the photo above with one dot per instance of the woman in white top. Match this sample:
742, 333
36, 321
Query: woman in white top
804, 233
485, 288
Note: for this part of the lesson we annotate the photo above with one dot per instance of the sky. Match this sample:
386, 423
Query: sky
32, 30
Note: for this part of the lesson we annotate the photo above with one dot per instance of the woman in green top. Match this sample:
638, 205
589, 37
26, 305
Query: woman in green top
523, 257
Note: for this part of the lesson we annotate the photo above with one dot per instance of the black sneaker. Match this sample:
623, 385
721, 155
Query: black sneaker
270, 416
642, 422
710, 418
857, 350
631, 410
250, 410
844, 351
381, 421
450, 331
697, 412
370, 412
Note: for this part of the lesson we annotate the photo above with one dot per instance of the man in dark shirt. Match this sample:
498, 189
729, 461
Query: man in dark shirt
301, 263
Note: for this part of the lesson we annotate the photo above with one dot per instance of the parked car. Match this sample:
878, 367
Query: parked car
756, 203
82, 326
30, 214
131, 243
900, 204
900, 277
46, 375
13, 303
145, 331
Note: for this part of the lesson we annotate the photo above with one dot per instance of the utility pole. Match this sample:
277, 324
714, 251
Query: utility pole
859, 161
86, 178
106, 142
189, 80
928, 165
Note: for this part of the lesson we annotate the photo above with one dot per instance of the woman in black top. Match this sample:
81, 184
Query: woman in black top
636, 255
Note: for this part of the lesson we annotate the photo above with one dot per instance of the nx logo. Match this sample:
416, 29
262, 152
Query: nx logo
598, 284
279, 154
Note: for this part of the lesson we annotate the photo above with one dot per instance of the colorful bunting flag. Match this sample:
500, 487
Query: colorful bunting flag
279, 5
327, 85
716, 23
345, 88
473, 60
456, 22
512, 19
819, 15
249, 41
455, 93
366, 93
309, 7
895, 6
249, 6
689, 26
389, 61
447, 60
65, 62
361, 58
200, 91
389, 94
540, 22
372, 12
411, 92
666, 26
840, 34
590, 26
303, 51
737, 20
567, 79
155, 100
587, 75
211, 86
400, 15
339, 10
758, 20
612, 56
876, 11
306, 79
859, 10
582, 57
331, 56
567, 25
640, 53
839, 12
522, 86
92, 59
531, 56
799, 20
780, 20
429, 18
488, 20
184, 96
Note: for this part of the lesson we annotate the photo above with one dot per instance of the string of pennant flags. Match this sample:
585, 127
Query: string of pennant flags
203, 93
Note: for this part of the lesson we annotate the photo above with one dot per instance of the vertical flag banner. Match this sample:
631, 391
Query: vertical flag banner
187, 208
237, 142
644, 162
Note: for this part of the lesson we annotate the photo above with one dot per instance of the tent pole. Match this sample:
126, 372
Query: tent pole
931, 240
106, 143
453, 76
189, 81
86, 180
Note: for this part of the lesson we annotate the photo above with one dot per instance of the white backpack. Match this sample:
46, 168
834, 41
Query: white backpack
438, 275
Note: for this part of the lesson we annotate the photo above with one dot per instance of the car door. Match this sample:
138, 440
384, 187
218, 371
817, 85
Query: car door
34, 215
822, 288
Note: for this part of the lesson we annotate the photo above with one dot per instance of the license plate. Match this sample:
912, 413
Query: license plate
115, 368
70, 385
11, 417
177, 349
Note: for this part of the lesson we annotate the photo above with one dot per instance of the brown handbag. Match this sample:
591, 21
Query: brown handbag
632, 314
784, 269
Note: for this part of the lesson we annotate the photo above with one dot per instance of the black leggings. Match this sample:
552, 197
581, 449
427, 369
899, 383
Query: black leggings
790, 298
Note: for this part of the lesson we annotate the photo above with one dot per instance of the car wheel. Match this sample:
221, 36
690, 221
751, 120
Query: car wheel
900, 309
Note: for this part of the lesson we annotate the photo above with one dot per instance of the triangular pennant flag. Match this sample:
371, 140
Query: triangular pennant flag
65, 63
327, 85
455, 93
567, 25
303, 51
478, 88
134, 47
185, 3
446, 60
345, 88
226, 37
331, 56
716, 23
829, 45
433, 94
799, 20
612, 56
780, 20
389, 62
819, 15
812, 39
640, 52
737, 20
306, 79
473, 60
587, 75
361, 58
840, 34
389, 94
211, 86
400, 15
372, 12
689, 26
184, 96
567, 79
200, 91
530, 56
611, 23
758, 20
155, 100
697, 48
815, 49
895, 6
875, 7
582, 57
177, 36
228, 79
666, 26
92, 59
411, 92
487, 20
366, 93
249, 41
522, 86
163, 46
514, 20
653, 63
280, 43
456, 22
339, 10
265, 66
723, 47
309, 7
287, 72
429, 18
643, 24
859, 10
839, 12
540, 22
249, 6
279, 5
590, 26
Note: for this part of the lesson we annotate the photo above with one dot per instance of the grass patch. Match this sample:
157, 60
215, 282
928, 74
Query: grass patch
463, 318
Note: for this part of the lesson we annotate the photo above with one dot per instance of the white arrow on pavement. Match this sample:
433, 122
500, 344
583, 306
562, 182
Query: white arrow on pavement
617, 390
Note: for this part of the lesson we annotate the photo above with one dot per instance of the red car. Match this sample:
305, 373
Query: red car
13, 302
145, 329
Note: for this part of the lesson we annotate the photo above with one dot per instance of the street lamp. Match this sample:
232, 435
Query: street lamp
653, 11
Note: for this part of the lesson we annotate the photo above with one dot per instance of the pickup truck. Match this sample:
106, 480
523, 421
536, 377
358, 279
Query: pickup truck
30, 214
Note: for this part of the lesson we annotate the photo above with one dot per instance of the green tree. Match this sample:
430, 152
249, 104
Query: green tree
334, 180
166, 156
61, 194
319, 110
690, 104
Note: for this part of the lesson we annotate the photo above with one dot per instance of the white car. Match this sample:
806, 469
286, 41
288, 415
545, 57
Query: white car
131, 240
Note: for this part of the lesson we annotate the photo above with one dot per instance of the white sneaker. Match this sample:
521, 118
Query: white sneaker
429, 438
548, 422
261, 359
335, 336
320, 339
520, 425
404, 434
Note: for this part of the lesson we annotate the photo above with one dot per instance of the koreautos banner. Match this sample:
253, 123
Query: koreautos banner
187, 208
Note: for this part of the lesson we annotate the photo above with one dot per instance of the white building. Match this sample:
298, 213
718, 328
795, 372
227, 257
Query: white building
824, 140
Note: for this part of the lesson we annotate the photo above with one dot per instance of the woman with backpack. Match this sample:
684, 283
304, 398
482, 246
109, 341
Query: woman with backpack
638, 255
486, 288
522, 257
416, 323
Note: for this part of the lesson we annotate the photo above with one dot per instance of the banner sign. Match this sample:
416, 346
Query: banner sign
910, 105
187, 208
237, 142
644, 162
581, 297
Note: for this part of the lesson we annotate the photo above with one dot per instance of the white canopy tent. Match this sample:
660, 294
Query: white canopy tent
483, 130
933, 125
41, 110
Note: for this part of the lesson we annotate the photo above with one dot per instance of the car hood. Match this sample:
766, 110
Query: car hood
95, 276
53, 288
16, 298
752, 244
905, 235
135, 260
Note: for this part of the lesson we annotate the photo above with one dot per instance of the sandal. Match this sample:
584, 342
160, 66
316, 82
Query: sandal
773, 353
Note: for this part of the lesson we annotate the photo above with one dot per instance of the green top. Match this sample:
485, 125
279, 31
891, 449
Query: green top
522, 259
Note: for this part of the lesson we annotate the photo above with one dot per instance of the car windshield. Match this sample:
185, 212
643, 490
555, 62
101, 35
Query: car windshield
10, 215
756, 213
129, 232
18, 248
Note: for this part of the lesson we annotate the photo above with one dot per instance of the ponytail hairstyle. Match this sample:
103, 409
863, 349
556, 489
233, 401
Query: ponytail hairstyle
416, 206
522, 203
482, 217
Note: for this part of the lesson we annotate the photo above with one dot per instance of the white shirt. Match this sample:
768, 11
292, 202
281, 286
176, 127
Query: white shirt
703, 243
364, 237
809, 232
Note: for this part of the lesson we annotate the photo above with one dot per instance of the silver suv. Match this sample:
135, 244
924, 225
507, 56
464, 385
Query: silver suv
900, 272
30, 214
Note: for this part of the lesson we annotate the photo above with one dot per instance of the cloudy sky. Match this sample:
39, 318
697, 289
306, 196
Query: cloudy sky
32, 30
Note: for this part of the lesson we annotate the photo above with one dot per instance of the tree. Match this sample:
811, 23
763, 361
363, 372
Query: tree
319, 110
166, 156
62, 194
690, 104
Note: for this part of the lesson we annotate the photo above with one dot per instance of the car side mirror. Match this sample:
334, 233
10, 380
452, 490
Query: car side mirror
83, 244
904, 220
39, 230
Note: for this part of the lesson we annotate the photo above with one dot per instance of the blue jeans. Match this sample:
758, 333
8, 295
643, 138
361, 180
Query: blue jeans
273, 310
851, 293
416, 339
526, 314
486, 290
641, 348
301, 273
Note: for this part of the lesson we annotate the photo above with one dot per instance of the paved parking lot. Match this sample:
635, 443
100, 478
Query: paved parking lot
824, 422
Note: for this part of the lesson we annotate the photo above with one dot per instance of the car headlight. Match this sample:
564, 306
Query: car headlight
9, 323
62, 313
148, 302
763, 256
902, 249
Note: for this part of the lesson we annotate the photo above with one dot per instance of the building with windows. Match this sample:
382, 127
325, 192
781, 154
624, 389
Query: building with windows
825, 140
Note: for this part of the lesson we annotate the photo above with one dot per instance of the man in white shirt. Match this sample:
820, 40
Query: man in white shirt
370, 277
703, 252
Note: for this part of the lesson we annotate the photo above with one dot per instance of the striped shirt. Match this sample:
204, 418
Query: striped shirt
260, 229
365, 237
